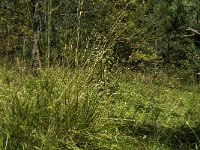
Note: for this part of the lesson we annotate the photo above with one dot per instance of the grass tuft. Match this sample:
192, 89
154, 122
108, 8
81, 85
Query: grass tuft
60, 109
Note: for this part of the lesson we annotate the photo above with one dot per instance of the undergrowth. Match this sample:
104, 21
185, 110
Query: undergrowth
62, 110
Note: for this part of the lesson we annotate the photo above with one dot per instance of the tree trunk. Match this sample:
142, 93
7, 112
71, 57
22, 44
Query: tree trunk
36, 36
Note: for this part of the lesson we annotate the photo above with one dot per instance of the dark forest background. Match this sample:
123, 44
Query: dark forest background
42, 33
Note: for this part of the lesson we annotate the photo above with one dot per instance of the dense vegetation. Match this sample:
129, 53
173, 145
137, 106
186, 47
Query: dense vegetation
99, 74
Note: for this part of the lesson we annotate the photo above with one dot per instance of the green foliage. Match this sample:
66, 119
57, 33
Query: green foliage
62, 110
81, 98
87, 27
45, 111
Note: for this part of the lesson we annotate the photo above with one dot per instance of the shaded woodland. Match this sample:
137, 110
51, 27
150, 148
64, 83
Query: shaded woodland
72, 33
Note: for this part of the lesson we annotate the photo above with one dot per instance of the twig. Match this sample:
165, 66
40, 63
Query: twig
193, 30
189, 35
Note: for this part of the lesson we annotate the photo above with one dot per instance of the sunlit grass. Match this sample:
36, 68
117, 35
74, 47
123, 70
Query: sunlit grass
61, 110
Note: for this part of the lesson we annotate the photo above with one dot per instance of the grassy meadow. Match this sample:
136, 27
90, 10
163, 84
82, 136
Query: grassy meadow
99, 75
74, 110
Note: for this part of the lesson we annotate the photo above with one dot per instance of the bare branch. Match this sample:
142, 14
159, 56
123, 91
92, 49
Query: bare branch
189, 35
193, 30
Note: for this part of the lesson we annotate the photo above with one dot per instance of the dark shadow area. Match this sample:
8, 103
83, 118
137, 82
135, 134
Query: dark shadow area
179, 138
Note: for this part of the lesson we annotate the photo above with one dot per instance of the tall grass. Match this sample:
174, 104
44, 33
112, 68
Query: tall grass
93, 106
45, 111
61, 110
57, 108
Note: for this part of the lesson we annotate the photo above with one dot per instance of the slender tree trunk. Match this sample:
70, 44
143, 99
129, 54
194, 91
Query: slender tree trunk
78, 31
48, 53
36, 36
